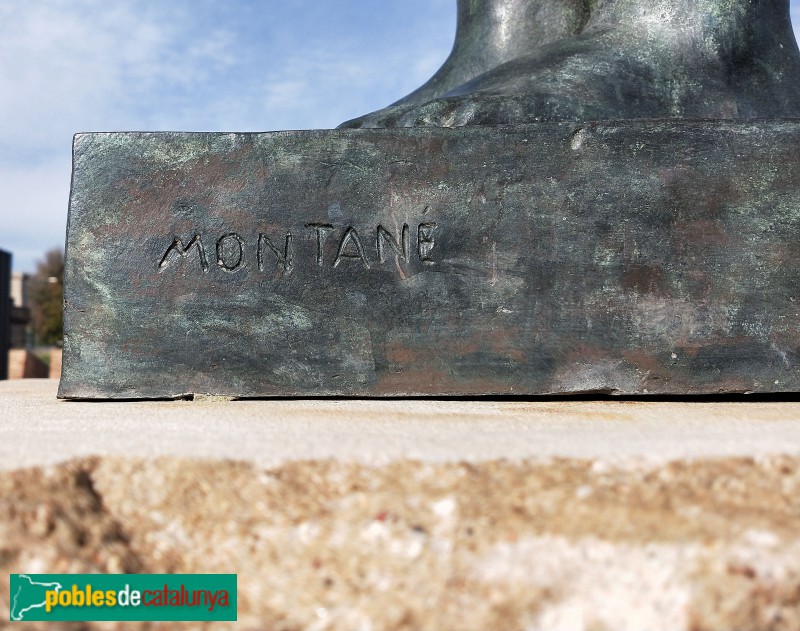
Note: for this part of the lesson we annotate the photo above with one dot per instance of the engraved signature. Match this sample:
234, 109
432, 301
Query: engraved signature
231, 250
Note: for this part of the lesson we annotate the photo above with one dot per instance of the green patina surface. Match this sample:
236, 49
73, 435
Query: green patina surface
635, 257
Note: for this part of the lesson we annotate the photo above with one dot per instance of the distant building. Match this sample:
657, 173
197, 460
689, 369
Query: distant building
18, 359
20, 311
19, 288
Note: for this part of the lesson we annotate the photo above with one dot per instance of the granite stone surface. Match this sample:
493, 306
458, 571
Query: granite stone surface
390, 515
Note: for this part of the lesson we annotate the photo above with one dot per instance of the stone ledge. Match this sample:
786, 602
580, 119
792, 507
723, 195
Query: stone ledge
419, 515
37, 429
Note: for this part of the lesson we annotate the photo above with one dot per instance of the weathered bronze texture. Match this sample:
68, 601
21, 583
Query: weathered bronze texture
524, 61
627, 257
492, 32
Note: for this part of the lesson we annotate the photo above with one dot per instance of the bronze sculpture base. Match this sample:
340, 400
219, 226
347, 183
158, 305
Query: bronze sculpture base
630, 257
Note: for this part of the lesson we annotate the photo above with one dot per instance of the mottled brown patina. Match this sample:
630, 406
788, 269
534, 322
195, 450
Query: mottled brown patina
635, 257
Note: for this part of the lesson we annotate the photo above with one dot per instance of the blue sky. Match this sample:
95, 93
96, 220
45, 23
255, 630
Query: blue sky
238, 65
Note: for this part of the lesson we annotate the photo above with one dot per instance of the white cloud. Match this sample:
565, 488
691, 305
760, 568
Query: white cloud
92, 63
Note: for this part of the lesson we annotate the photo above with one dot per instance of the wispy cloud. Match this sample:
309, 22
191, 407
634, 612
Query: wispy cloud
89, 64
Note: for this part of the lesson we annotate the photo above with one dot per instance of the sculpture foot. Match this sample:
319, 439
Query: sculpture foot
492, 32
746, 65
